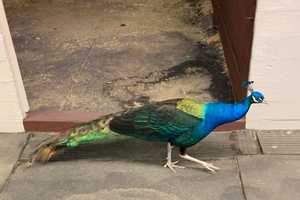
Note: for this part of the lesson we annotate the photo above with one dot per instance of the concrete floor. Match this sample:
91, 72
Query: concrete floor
102, 55
132, 169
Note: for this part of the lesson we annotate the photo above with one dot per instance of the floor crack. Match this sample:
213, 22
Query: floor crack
15, 166
241, 179
259, 143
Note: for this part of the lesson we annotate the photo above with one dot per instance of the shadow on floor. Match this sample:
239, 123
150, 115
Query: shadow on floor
134, 150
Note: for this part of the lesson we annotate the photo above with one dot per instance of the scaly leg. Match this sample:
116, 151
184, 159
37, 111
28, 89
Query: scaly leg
206, 165
169, 163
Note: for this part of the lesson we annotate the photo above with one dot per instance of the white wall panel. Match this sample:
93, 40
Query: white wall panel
275, 65
13, 101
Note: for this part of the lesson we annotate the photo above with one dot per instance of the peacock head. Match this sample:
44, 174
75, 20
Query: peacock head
256, 97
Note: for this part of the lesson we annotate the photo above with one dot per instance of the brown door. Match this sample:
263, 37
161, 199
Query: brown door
235, 21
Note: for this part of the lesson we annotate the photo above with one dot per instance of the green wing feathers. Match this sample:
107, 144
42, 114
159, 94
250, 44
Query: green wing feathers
156, 122
192, 107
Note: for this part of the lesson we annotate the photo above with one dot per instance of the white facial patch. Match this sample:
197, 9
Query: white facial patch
254, 100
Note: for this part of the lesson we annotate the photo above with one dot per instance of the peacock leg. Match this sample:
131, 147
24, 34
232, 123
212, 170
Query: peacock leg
206, 165
171, 165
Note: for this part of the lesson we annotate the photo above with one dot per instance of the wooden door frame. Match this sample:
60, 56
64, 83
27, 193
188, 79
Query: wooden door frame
237, 58
238, 62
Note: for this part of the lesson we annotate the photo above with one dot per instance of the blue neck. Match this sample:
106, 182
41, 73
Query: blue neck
220, 113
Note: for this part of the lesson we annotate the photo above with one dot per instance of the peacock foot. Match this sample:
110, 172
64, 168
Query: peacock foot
210, 167
172, 166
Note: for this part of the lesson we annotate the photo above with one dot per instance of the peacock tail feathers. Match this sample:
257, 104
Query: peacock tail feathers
43, 154
91, 132
87, 133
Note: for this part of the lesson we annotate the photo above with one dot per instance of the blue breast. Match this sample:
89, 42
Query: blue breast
217, 114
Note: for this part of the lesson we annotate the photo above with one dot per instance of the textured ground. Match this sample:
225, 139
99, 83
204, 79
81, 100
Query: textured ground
101, 55
131, 169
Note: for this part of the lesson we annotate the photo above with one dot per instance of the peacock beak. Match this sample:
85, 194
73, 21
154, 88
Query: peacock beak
265, 102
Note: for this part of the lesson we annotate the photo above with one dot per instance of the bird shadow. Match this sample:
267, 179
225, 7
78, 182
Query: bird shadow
129, 149
125, 149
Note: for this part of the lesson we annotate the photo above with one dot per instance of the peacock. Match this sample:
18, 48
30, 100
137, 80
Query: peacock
177, 122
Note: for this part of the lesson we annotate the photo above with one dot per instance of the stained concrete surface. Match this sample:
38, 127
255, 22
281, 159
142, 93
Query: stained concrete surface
129, 169
92, 179
102, 55
10, 149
